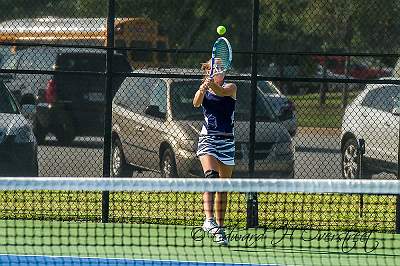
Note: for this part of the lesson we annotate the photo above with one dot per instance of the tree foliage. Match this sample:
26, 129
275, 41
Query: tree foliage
284, 25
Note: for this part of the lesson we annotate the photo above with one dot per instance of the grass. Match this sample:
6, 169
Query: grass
311, 114
293, 210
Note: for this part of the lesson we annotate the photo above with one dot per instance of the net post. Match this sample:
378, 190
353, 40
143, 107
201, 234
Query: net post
398, 196
252, 200
105, 199
105, 206
252, 210
397, 214
361, 151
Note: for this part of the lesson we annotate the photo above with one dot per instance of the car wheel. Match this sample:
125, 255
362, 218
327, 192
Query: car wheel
119, 167
350, 160
29, 170
39, 132
168, 164
65, 134
35, 169
291, 175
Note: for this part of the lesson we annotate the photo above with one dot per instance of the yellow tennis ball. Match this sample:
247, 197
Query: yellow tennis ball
221, 30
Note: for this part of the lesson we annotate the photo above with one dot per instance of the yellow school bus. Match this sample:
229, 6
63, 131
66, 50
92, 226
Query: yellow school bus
129, 33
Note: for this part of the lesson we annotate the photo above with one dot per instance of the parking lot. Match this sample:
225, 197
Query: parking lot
316, 157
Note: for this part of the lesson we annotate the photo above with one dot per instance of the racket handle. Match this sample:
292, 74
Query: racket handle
212, 66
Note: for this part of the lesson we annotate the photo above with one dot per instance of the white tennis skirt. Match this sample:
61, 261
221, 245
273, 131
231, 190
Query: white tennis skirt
221, 147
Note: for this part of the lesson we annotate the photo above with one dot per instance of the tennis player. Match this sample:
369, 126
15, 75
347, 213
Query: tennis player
216, 146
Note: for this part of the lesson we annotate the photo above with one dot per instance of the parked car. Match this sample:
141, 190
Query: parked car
396, 70
335, 86
373, 118
68, 104
156, 127
358, 67
18, 147
288, 71
282, 106
5, 51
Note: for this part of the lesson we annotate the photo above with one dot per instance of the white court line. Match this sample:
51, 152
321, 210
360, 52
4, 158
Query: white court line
137, 260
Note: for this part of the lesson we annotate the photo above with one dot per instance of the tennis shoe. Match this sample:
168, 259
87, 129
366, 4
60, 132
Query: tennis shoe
221, 238
211, 227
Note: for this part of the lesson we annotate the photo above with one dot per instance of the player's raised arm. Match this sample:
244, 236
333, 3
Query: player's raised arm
199, 96
228, 89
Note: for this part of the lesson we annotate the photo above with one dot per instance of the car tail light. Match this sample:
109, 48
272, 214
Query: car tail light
50, 92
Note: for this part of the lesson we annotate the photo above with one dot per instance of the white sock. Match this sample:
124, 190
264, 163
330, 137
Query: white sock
210, 219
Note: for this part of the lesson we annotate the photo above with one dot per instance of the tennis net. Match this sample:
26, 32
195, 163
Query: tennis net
104, 221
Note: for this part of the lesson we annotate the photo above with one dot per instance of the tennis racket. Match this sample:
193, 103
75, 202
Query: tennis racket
221, 52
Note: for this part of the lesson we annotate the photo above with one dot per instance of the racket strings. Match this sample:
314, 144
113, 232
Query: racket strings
222, 53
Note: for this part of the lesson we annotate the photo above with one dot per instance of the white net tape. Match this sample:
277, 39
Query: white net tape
388, 187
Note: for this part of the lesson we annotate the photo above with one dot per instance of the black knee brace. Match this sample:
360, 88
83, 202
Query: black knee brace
211, 174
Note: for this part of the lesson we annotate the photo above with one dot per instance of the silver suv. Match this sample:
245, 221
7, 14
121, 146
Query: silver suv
370, 131
18, 147
156, 127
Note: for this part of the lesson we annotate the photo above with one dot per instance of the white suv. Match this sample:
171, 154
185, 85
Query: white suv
370, 128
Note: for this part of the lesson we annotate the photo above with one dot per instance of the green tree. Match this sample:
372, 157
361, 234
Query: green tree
14, 9
281, 26
285, 25
357, 25
381, 32
192, 24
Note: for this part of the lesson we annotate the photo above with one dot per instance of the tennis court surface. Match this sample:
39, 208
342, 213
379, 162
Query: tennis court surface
72, 221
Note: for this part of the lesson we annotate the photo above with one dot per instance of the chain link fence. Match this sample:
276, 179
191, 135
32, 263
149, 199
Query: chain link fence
107, 87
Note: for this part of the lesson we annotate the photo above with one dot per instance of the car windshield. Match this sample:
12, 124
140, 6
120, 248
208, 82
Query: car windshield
267, 87
182, 93
81, 62
7, 103
90, 62
9, 62
4, 53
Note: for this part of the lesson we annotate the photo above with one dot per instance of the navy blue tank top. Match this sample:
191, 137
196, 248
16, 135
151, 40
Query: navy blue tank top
219, 112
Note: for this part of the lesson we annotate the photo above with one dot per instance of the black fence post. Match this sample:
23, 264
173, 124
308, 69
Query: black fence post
105, 210
252, 201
